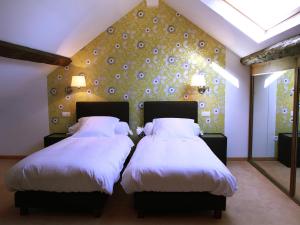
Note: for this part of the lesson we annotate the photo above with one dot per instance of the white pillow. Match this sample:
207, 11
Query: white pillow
148, 129
197, 129
74, 128
97, 126
122, 128
173, 128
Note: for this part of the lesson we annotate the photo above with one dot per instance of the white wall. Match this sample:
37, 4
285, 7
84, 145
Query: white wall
23, 106
237, 107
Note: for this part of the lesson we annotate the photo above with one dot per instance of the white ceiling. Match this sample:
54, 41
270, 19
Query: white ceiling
63, 27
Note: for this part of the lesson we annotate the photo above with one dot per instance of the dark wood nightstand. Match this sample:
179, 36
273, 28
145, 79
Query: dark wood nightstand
53, 138
218, 144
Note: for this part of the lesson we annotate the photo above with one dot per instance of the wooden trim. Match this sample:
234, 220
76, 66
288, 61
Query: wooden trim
237, 158
250, 129
295, 134
264, 159
288, 47
12, 156
274, 66
13, 51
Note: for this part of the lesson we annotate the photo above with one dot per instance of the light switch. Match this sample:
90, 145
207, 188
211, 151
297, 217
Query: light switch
66, 114
205, 113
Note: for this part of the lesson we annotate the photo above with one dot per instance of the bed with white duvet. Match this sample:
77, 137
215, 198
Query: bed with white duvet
177, 164
75, 164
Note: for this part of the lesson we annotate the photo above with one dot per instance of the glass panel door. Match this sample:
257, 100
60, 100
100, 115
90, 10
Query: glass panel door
272, 125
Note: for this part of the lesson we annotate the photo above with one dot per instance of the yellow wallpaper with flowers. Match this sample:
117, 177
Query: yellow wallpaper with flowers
149, 54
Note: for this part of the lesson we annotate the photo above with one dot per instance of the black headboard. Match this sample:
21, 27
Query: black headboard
116, 109
175, 109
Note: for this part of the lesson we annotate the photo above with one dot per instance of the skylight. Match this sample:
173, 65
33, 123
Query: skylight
259, 19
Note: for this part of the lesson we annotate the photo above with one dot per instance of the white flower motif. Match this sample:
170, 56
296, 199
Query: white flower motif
125, 67
96, 82
89, 91
178, 45
117, 76
216, 111
201, 105
207, 120
54, 120
140, 105
178, 14
59, 77
216, 81
67, 67
117, 45
186, 35
291, 120
147, 30
140, 14
61, 106
110, 60
284, 110
140, 75
110, 30
186, 97
111, 90
88, 62
140, 45
217, 50
201, 44
68, 97
155, 51
95, 52
186, 66
155, 20
286, 81
53, 91
148, 60
169, 90
147, 91
126, 97
171, 29
125, 35
171, 60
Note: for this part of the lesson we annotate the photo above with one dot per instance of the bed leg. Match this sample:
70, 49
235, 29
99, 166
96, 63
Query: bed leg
218, 214
97, 213
24, 211
140, 214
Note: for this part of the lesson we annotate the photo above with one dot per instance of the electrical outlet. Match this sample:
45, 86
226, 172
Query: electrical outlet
205, 113
66, 114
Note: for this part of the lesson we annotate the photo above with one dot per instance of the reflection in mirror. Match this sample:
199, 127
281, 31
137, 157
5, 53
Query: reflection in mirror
272, 124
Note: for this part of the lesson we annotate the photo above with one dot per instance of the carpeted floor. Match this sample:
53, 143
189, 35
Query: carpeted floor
281, 174
257, 202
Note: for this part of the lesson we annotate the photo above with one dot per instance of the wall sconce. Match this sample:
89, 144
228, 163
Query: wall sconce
199, 81
77, 81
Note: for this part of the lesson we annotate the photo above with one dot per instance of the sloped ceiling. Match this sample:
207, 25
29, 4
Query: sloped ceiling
223, 31
65, 26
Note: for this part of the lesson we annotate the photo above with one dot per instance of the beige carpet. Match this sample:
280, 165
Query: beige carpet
281, 174
257, 202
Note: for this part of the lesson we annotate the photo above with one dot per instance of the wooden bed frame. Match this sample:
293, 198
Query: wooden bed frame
145, 202
83, 201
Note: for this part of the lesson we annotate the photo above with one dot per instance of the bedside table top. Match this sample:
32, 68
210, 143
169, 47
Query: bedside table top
57, 135
213, 135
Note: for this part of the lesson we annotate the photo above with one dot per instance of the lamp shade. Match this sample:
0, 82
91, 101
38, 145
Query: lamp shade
78, 81
198, 81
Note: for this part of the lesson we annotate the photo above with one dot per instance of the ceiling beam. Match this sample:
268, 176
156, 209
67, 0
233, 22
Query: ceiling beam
289, 47
14, 51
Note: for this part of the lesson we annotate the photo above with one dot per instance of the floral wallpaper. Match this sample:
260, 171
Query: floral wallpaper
284, 102
149, 54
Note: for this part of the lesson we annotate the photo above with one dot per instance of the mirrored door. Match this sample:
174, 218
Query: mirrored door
273, 96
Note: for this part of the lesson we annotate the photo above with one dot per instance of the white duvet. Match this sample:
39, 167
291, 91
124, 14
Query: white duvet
72, 165
177, 165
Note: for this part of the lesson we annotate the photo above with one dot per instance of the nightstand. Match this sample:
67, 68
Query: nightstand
218, 144
53, 138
